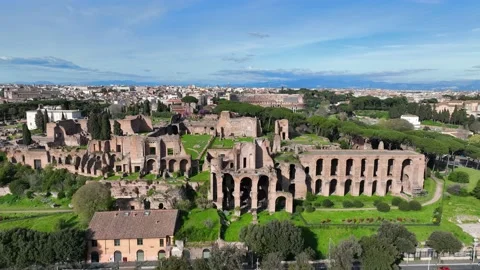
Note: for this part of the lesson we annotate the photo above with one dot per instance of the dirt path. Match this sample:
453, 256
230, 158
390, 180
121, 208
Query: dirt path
37, 211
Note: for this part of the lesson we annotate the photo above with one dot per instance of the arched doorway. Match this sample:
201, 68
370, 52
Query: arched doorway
68, 160
292, 172
334, 167
262, 193
183, 166
206, 253
150, 165
146, 204
374, 187
117, 256
333, 187
318, 186
171, 165
362, 187
160, 206
214, 186
161, 254
140, 256
228, 186
348, 187
94, 257
280, 204
278, 186
349, 167
291, 189
388, 186
163, 165
390, 167
245, 190
319, 167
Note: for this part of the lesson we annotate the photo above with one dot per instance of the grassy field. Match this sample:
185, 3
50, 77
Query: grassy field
200, 226
372, 113
194, 144
310, 139
437, 124
201, 177
11, 202
474, 177
429, 185
229, 143
367, 200
39, 222
233, 230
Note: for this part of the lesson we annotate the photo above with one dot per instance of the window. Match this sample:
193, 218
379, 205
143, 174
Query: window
152, 150
116, 242
119, 148
94, 243
170, 151
139, 241
162, 242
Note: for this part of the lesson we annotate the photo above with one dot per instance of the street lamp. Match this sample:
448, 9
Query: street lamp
475, 242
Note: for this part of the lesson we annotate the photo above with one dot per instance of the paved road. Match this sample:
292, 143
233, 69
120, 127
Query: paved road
438, 192
452, 266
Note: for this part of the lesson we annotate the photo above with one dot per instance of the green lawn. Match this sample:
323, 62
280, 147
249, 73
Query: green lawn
11, 202
133, 176
372, 113
150, 176
429, 185
229, 143
233, 230
201, 177
194, 144
196, 227
40, 222
367, 200
310, 139
437, 124
474, 177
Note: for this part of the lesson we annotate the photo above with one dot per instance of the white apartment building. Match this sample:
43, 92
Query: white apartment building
412, 119
53, 116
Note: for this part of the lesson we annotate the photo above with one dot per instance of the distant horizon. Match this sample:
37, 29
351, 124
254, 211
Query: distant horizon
402, 44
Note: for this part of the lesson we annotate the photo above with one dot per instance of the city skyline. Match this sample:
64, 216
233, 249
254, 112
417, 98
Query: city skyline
430, 43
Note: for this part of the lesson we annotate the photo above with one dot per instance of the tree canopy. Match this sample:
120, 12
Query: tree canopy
444, 242
378, 253
189, 99
27, 135
89, 199
344, 254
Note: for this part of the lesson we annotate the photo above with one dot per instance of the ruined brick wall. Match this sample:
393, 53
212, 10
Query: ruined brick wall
134, 124
229, 126
281, 129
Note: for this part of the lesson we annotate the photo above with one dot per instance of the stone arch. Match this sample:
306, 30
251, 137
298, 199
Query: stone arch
174, 130
406, 164
363, 167
183, 166
334, 167
161, 254
228, 186
388, 186
171, 165
150, 165
318, 186
361, 189
390, 165
292, 171
280, 203
23, 158
160, 206
374, 187
214, 187
206, 253
117, 256
13, 160
278, 185
291, 189
140, 255
319, 167
262, 192
54, 160
94, 257
60, 160
332, 187
78, 162
375, 166
349, 167
68, 159
347, 187
163, 164
245, 191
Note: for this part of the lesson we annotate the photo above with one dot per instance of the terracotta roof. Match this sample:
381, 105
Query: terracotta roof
133, 224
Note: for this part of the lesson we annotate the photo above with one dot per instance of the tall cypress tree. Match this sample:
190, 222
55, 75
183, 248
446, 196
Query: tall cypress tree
27, 136
117, 130
39, 121
146, 107
94, 127
106, 130
45, 119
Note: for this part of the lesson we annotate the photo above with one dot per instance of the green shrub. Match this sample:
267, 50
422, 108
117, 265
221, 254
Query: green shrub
309, 209
358, 204
327, 203
299, 209
476, 191
438, 175
404, 206
29, 194
459, 177
306, 203
396, 201
383, 207
61, 195
317, 204
347, 204
457, 190
415, 205
310, 197
376, 202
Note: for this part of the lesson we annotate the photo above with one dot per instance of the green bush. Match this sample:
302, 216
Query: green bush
383, 207
438, 175
309, 209
310, 197
358, 204
376, 202
317, 204
457, 190
347, 204
327, 203
61, 195
29, 194
404, 206
476, 191
459, 177
299, 209
415, 205
306, 203
396, 201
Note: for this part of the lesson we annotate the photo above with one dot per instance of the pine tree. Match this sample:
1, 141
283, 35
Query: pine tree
106, 131
117, 130
45, 119
39, 121
27, 136
146, 107
94, 127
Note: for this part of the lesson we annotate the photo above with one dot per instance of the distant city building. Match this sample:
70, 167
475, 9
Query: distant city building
472, 107
412, 119
291, 101
53, 116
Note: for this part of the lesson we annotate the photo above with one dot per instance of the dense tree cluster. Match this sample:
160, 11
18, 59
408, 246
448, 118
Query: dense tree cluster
26, 134
444, 242
139, 108
21, 248
91, 198
98, 126
190, 99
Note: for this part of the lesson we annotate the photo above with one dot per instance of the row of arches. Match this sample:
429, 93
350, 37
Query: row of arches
347, 187
350, 168
151, 165
245, 192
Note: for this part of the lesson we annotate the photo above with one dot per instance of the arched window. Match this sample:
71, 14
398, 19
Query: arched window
206, 254
161, 254
94, 257
117, 256
140, 256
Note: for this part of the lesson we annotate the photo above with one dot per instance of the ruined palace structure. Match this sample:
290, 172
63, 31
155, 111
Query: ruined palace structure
247, 177
159, 152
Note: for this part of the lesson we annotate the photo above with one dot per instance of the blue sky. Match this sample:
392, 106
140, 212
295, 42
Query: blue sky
241, 41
